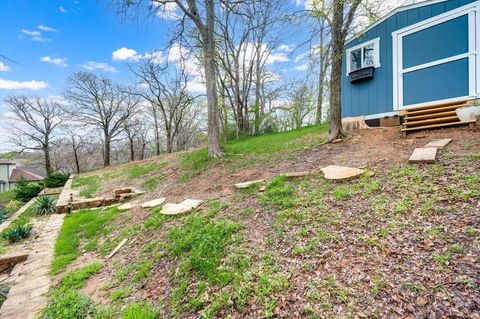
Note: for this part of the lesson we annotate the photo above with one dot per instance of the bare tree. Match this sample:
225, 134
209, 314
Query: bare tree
165, 89
301, 105
201, 14
247, 38
130, 128
34, 123
343, 14
98, 102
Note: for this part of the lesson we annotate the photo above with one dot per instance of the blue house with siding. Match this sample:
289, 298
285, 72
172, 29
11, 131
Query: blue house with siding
417, 56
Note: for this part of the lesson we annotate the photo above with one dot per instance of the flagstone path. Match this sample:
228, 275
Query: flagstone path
14, 216
30, 281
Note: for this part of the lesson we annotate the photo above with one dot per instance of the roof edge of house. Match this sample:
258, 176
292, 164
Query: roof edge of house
391, 14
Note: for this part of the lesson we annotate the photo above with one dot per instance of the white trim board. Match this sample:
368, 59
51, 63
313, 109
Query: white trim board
392, 13
472, 10
376, 51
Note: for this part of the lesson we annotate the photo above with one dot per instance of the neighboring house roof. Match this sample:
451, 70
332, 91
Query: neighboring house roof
392, 13
4, 161
20, 173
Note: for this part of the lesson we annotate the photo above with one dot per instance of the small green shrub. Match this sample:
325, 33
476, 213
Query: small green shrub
55, 180
45, 205
3, 214
25, 191
139, 311
17, 233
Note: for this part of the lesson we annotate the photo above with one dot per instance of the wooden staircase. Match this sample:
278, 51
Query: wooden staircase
431, 117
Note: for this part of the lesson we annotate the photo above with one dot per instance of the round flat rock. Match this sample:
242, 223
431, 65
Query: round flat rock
334, 172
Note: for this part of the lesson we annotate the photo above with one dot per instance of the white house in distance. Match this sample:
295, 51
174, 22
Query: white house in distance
10, 174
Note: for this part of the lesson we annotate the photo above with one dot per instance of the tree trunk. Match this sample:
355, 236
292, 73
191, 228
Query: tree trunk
321, 78
132, 150
106, 151
257, 96
169, 142
48, 163
77, 162
335, 129
157, 133
211, 81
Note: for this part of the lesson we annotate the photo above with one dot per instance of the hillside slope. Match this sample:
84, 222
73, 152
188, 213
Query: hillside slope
403, 243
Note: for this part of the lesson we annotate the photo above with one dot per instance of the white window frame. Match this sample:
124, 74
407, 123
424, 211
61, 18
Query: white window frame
376, 54
473, 12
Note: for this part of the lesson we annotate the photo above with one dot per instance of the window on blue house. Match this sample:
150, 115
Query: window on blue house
363, 55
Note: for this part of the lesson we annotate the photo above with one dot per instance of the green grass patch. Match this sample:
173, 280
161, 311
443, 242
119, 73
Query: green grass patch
343, 192
193, 163
121, 293
273, 142
67, 301
86, 225
150, 184
139, 311
279, 192
6, 197
137, 171
89, 185
200, 245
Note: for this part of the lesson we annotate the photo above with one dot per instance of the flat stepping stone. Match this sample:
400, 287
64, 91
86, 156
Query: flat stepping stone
248, 184
334, 172
154, 203
423, 155
298, 174
126, 206
439, 143
183, 207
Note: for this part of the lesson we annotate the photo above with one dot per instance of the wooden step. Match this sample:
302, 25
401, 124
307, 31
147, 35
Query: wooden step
434, 106
433, 121
429, 116
431, 111
426, 127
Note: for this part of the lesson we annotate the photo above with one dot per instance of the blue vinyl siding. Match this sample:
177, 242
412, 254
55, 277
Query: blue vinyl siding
438, 42
438, 82
376, 96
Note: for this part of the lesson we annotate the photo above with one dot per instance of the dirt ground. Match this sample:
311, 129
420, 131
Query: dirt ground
355, 260
376, 147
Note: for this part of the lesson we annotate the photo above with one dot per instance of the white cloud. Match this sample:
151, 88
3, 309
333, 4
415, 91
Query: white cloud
286, 48
92, 65
124, 54
46, 28
31, 33
167, 11
277, 57
300, 57
16, 85
62, 9
302, 67
57, 61
4, 67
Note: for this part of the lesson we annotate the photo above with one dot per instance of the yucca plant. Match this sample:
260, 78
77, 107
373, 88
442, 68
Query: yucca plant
45, 205
17, 233
3, 214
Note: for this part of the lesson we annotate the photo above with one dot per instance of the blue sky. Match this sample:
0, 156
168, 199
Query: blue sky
50, 39
47, 40
67, 35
